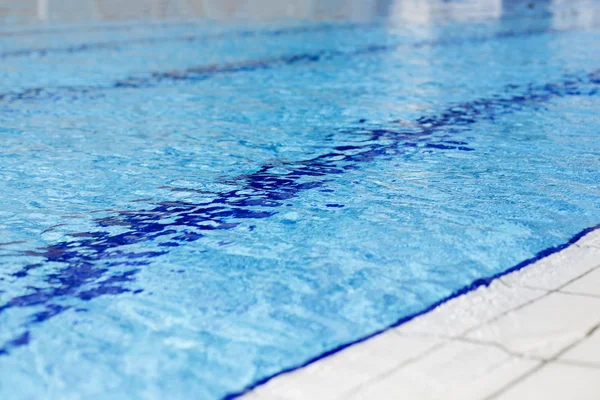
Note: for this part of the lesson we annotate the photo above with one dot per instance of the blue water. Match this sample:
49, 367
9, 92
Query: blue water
189, 209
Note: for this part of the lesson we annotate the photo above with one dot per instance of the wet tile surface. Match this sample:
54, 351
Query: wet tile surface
467, 312
558, 269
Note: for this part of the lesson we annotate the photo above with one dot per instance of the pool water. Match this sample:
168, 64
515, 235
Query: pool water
189, 209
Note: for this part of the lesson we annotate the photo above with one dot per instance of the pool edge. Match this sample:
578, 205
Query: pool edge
587, 235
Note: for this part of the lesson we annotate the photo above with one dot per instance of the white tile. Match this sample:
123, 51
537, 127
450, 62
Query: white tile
556, 270
261, 395
545, 327
587, 284
395, 386
588, 351
557, 382
458, 370
471, 310
590, 240
335, 375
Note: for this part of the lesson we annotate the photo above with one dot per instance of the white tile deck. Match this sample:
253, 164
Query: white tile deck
587, 284
585, 352
458, 370
346, 370
558, 269
557, 382
543, 328
456, 317
534, 334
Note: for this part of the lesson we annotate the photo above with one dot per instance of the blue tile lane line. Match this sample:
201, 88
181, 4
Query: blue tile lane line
266, 188
204, 72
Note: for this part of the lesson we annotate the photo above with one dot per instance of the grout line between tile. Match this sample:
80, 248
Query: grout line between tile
584, 364
392, 370
516, 381
447, 339
498, 346
461, 337
592, 269
579, 294
506, 312
521, 306
552, 360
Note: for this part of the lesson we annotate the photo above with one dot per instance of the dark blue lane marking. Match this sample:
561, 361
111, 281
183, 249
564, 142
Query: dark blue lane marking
204, 72
91, 255
121, 44
464, 290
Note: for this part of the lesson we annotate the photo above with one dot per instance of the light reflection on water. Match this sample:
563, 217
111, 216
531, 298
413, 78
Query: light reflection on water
222, 10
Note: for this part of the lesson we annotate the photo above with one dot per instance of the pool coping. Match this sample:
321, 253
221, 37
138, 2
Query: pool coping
463, 320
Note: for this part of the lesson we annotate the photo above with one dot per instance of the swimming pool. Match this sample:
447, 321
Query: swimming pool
189, 209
